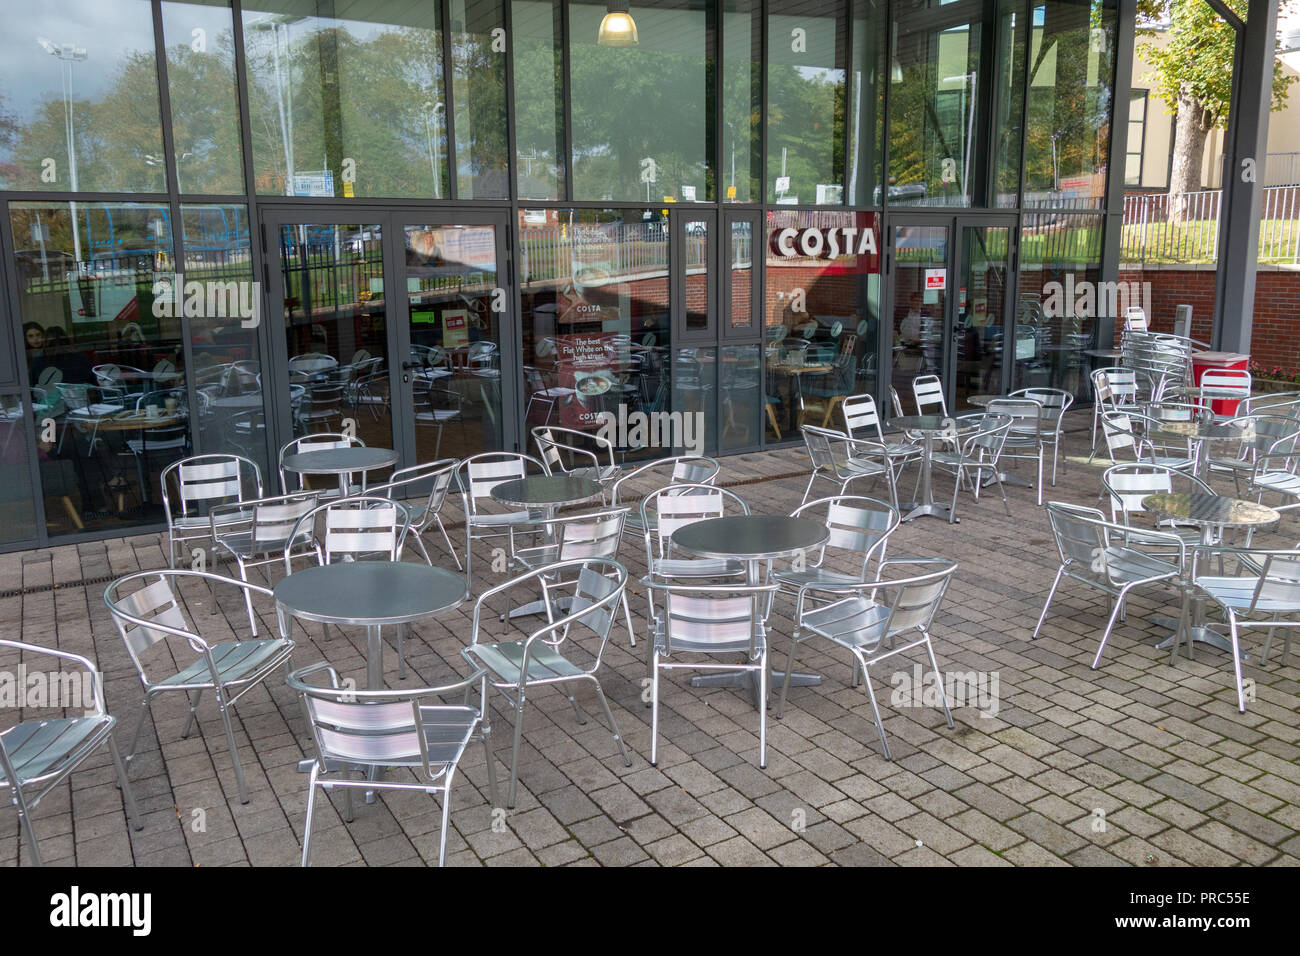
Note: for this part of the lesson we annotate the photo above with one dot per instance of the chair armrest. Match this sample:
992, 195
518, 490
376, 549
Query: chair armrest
101, 708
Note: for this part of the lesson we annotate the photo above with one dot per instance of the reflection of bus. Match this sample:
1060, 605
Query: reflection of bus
118, 230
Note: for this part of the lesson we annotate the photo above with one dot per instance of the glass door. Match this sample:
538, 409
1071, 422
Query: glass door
335, 349
418, 370
454, 305
984, 255
921, 324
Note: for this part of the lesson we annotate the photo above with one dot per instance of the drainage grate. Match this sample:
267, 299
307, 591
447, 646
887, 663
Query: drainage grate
106, 578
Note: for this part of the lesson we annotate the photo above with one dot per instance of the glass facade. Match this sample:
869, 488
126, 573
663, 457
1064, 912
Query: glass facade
437, 225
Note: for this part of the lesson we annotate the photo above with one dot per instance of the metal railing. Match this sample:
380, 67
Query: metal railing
1150, 236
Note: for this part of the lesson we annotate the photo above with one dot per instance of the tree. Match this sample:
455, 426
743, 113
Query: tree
1193, 76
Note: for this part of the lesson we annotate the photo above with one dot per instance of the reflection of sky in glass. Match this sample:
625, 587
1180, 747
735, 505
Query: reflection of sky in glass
108, 30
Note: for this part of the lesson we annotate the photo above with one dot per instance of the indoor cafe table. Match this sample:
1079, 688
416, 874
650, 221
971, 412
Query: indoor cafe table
755, 540
343, 462
1211, 513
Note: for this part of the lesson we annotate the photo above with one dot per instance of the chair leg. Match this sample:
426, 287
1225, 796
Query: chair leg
627, 614
514, 752
447, 538
609, 715
139, 726
446, 816
128, 798
577, 710
1110, 625
485, 731
938, 680
194, 708
808, 489
234, 751
25, 818
311, 806
789, 667
654, 711
875, 710
248, 597
1236, 661
1048, 603
762, 712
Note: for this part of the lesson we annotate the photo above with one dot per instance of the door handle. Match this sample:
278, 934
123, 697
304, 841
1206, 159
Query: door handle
411, 366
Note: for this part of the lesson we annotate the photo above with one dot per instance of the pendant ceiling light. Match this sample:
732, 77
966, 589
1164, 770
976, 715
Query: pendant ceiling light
618, 28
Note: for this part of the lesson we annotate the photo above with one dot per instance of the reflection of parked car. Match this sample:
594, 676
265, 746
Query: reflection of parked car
36, 263
902, 193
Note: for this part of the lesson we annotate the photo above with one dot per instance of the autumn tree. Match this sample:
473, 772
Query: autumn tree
1192, 73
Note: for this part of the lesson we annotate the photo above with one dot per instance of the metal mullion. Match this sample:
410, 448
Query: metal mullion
847, 151
171, 170
566, 188
449, 112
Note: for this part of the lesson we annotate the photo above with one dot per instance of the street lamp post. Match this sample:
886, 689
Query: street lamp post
68, 54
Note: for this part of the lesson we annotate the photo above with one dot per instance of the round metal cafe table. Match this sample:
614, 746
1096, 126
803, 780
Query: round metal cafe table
369, 594
342, 462
1210, 513
753, 539
1204, 433
930, 427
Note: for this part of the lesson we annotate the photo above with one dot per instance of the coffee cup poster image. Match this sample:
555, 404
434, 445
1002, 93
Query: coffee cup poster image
584, 363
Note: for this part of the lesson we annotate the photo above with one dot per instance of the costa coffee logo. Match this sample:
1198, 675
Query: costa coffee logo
828, 243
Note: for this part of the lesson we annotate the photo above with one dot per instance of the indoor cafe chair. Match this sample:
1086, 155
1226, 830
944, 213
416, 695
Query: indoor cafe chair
702, 622
258, 534
38, 754
359, 734
565, 451
564, 651
148, 613
877, 619
1104, 556
193, 488
432, 482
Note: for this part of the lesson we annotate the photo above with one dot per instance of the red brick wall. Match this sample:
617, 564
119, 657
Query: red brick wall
1275, 338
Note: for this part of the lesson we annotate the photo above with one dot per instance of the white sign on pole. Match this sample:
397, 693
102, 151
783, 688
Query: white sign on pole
688, 194
783, 184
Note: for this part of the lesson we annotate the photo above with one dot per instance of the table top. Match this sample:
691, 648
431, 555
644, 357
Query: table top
131, 421
1201, 509
338, 461
369, 592
1207, 431
542, 490
923, 423
751, 537
247, 400
981, 401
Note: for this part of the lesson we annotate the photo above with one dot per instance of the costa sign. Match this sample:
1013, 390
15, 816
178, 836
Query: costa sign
824, 243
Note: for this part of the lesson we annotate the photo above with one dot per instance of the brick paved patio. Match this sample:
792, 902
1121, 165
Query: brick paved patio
1137, 763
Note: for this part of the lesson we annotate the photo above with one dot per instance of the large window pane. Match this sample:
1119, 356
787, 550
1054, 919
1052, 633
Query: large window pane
79, 98
1059, 302
866, 96
539, 98
641, 123
346, 105
1071, 80
937, 78
742, 100
104, 348
479, 97
596, 322
823, 311
1009, 102
805, 102
18, 415
227, 361
204, 104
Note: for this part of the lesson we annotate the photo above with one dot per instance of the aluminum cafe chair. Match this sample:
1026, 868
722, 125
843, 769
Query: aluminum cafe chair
710, 621
566, 451
370, 731
1096, 552
839, 459
879, 619
1027, 436
1056, 402
1277, 474
550, 656
682, 469
257, 534
1270, 435
1228, 383
1266, 598
145, 608
862, 422
321, 441
437, 478
200, 484
476, 476
978, 451
1129, 485
928, 392
1121, 441
596, 534
38, 754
